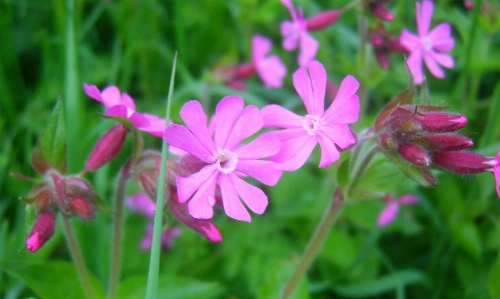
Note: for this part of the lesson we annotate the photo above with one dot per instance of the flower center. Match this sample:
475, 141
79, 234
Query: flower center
226, 160
426, 43
312, 124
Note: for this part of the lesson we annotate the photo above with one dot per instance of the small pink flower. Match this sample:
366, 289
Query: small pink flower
270, 69
122, 105
142, 204
429, 46
167, 237
391, 210
295, 34
226, 159
328, 128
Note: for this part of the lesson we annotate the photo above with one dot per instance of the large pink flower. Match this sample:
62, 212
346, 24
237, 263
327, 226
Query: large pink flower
270, 69
429, 46
295, 34
122, 105
328, 128
226, 159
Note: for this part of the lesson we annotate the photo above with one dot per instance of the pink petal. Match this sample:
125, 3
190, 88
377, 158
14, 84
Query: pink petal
180, 137
415, 64
409, 40
260, 47
138, 120
277, 116
345, 107
496, 172
443, 59
303, 87
271, 71
111, 96
201, 205
117, 111
388, 214
195, 119
249, 122
141, 203
186, 187
290, 34
340, 134
408, 199
263, 146
93, 92
156, 125
329, 152
318, 83
424, 16
263, 171
308, 49
444, 45
227, 112
128, 101
288, 134
432, 65
254, 198
441, 31
294, 152
288, 4
230, 200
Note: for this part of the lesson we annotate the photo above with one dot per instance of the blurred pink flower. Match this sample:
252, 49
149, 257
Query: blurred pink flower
270, 69
167, 237
391, 209
142, 204
295, 34
122, 105
429, 46
329, 127
226, 159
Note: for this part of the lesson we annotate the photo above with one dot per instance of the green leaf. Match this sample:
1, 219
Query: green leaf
493, 285
50, 279
277, 279
50, 151
170, 287
466, 234
390, 282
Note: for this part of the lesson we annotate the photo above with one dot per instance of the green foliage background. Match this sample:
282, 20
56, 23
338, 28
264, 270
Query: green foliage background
447, 246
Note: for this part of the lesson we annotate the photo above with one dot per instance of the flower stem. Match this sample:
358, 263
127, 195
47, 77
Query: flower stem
77, 256
316, 242
154, 261
116, 249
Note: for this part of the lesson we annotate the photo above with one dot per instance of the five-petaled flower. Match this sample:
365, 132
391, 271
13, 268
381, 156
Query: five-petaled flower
391, 209
429, 46
295, 34
122, 105
225, 157
329, 127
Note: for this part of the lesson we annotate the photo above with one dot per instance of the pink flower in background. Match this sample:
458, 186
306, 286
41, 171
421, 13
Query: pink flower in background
142, 204
122, 105
270, 69
328, 128
225, 157
295, 34
429, 46
167, 237
391, 209
496, 172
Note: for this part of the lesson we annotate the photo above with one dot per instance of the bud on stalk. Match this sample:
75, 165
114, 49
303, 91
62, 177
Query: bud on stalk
107, 147
41, 231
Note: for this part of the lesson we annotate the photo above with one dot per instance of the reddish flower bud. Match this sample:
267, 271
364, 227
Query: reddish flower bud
82, 208
382, 59
448, 141
107, 147
236, 84
461, 162
380, 12
149, 182
396, 46
323, 20
41, 231
414, 154
245, 70
440, 122
387, 141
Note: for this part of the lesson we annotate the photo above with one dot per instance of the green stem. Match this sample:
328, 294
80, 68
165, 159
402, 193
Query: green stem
77, 256
116, 249
154, 261
315, 243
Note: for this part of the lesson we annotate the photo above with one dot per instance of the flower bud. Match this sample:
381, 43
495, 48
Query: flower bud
323, 20
149, 182
41, 231
461, 162
380, 12
440, 122
245, 70
414, 154
107, 147
448, 141
82, 208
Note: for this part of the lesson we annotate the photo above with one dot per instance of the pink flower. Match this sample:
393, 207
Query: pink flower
226, 160
328, 128
167, 237
391, 210
270, 69
142, 204
295, 33
122, 105
429, 46
496, 172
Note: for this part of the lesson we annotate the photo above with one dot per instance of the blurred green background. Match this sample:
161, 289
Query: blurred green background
447, 246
